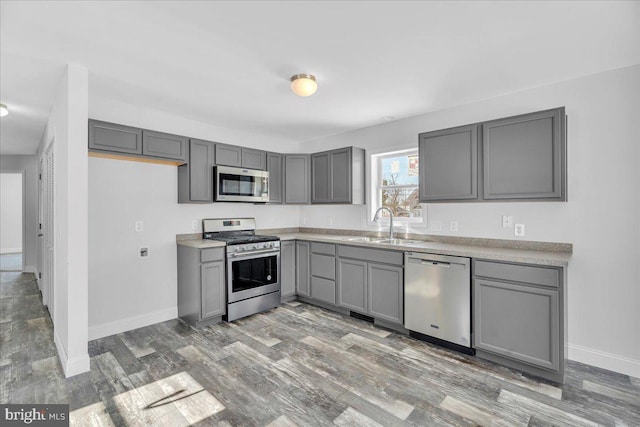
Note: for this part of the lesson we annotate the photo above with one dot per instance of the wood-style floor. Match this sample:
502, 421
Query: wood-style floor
295, 365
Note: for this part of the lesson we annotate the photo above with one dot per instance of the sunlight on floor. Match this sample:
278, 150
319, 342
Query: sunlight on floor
178, 401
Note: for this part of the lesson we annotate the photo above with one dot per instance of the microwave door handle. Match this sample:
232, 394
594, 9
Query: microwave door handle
265, 185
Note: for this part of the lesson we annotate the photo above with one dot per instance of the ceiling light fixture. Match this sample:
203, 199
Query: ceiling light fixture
304, 84
3, 110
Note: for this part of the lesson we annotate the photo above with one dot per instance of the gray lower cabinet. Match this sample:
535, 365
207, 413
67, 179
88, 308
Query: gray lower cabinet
164, 145
518, 316
302, 268
254, 159
519, 158
275, 167
228, 155
201, 285
449, 164
337, 176
296, 179
116, 138
323, 272
195, 179
371, 281
524, 157
287, 269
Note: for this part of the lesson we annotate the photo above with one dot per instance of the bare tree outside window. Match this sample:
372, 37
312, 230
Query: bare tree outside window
398, 186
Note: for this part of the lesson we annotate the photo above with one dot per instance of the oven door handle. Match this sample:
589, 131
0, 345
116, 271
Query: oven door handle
252, 254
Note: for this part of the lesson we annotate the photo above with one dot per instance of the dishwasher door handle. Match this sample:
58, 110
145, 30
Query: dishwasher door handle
436, 263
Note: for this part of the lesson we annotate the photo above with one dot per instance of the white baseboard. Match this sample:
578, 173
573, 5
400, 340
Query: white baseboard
135, 322
604, 360
10, 251
74, 366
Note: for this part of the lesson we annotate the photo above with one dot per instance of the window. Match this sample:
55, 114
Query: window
395, 185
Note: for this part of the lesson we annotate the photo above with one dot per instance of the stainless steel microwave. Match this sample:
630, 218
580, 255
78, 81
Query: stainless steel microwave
240, 185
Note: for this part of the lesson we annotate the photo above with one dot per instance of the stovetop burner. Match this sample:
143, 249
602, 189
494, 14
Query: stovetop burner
238, 240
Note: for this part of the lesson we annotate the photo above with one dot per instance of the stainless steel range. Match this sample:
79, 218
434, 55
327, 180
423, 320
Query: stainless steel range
253, 265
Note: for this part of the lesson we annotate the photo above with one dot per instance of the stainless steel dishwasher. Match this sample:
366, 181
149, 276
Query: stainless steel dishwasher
437, 299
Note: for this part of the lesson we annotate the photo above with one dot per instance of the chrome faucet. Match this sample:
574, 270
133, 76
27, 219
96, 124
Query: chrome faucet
375, 218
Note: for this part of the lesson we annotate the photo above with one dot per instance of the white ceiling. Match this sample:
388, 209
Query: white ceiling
228, 63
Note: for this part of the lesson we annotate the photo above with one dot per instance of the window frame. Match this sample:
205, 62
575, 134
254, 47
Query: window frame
375, 191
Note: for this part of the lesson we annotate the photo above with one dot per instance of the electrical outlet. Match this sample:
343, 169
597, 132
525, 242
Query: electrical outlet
330, 220
453, 226
304, 220
143, 252
519, 230
507, 221
436, 226
139, 226
194, 225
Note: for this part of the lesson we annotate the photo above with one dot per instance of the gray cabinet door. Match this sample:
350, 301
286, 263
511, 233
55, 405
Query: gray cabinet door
201, 161
386, 292
276, 174
340, 177
167, 146
517, 321
113, 137
352, 285
254, 159
213, 290
449, 164
524, 156
320, 178
302, 268
287, 268
296, 178
228, 155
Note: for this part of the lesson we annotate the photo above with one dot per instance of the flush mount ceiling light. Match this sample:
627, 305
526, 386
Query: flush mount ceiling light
3, 110
304, 84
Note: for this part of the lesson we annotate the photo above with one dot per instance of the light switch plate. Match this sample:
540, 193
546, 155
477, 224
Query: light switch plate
139, 226
519, 230
507, 221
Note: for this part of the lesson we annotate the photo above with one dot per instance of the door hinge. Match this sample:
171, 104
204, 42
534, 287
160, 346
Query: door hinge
39, 275
40, 226
40, 177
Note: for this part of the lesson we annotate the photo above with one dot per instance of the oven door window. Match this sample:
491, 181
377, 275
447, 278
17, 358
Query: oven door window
237, 185
254, 272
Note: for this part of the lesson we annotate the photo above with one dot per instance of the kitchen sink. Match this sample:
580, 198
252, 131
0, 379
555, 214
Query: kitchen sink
364, 239
398, 241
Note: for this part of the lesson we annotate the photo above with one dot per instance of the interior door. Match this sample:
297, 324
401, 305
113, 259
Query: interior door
48, 230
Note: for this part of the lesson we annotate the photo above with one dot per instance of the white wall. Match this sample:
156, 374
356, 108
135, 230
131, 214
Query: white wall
28, 164
126, 291
10, 212
67, 128
600, 218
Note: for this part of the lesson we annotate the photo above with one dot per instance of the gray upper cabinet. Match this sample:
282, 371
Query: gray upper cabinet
449, 164
296, 179
524, 157
164, 145
228, 155
518, 316
113, 137
254, 159
275, 167
337, 176
287, 268
520, 158
195, 179
302, 268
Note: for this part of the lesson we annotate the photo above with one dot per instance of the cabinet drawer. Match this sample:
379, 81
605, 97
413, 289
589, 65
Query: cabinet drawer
371, 255
544, 276
323, 290
323, 248
211, 254
323, 266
